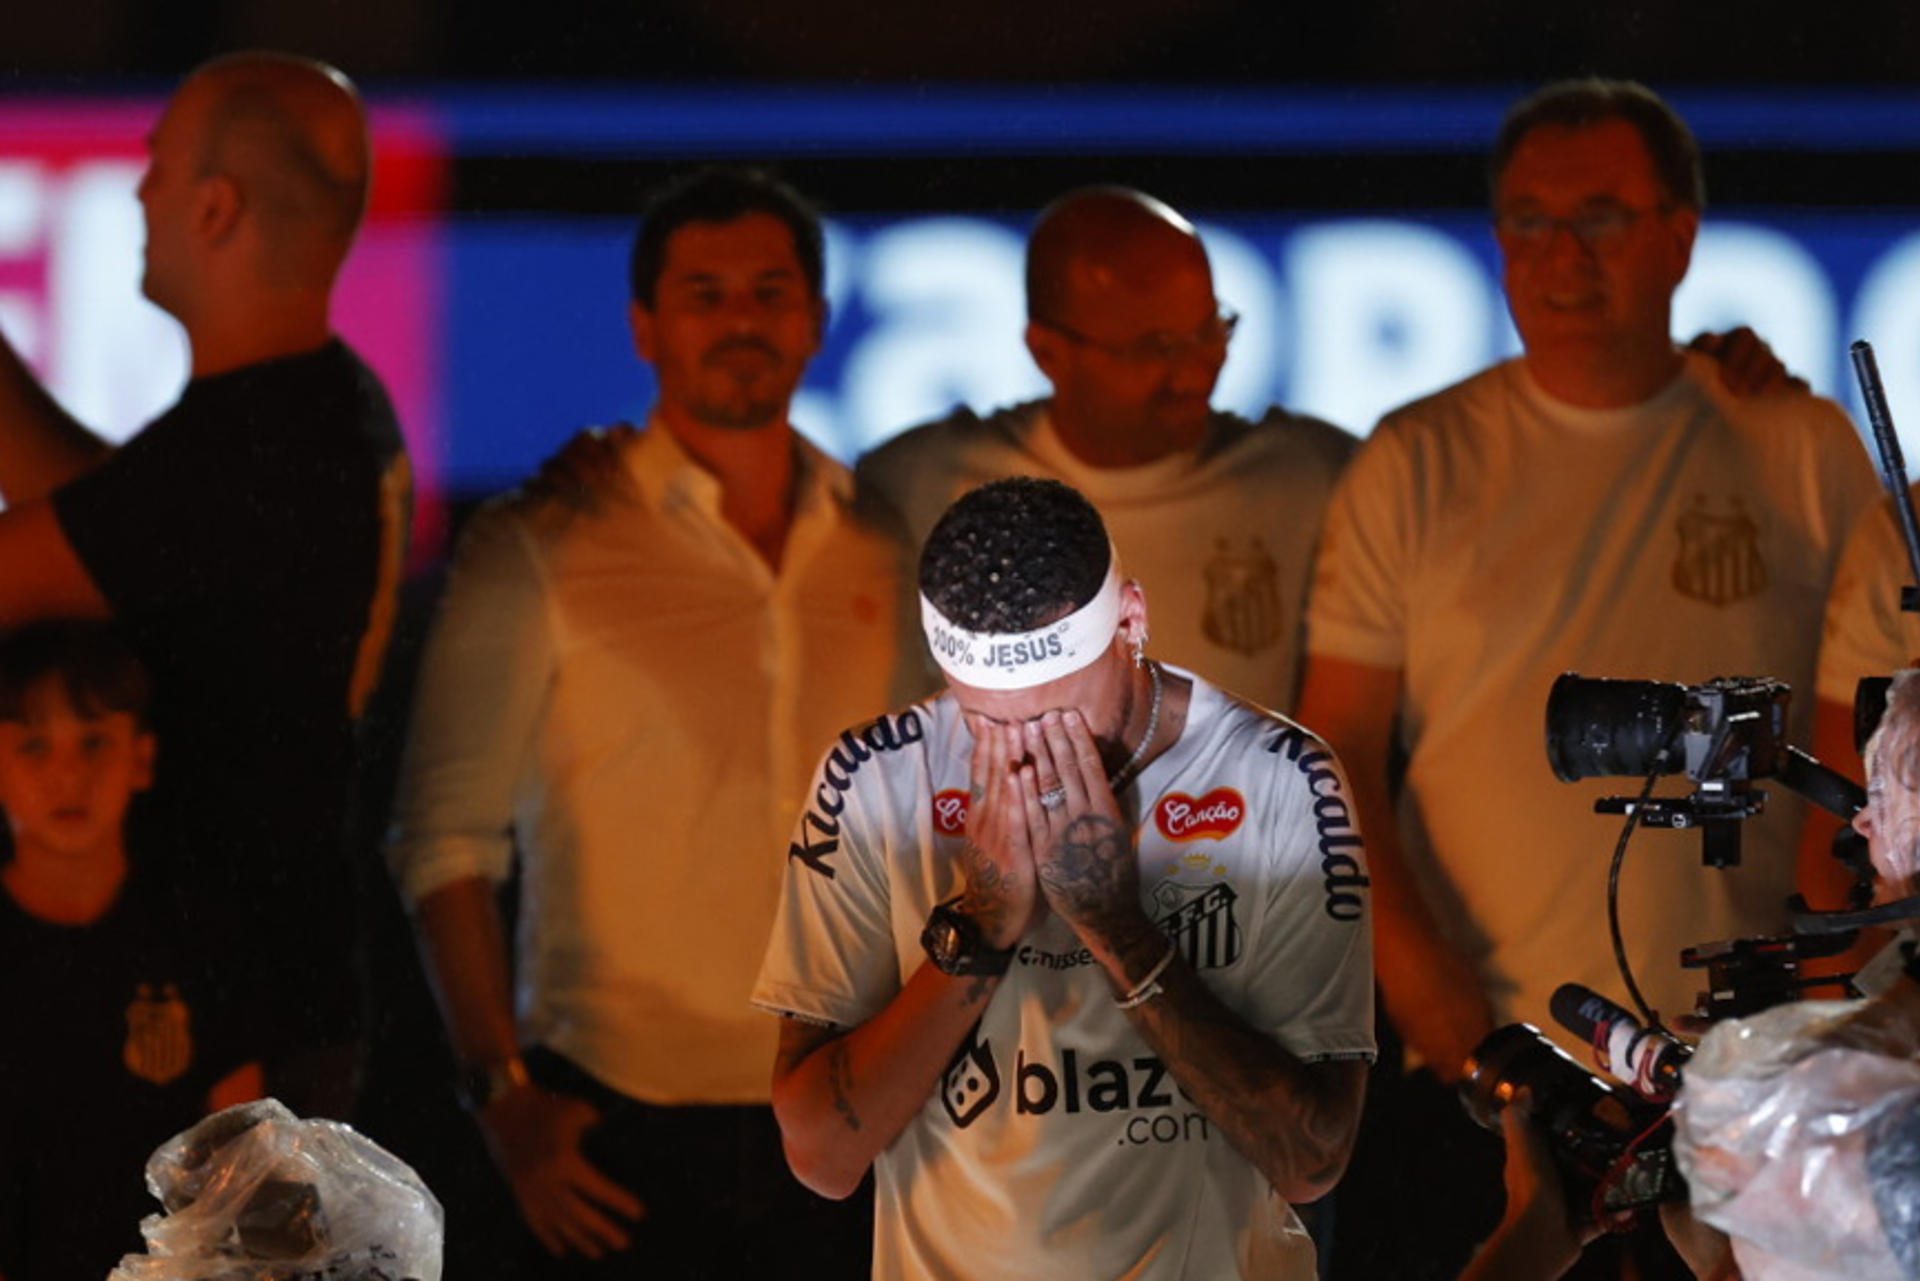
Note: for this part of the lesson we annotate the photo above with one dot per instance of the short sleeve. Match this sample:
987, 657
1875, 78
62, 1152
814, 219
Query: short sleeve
1865, 633
1311, 980
831, 956
483, 679
1358, 607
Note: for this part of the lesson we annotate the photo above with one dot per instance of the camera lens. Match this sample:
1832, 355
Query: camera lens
1517, 1057
1599, 728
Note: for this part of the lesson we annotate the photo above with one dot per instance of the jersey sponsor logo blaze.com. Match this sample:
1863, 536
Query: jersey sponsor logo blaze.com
1141, 1085
819, 834
1340, 869
1213, 817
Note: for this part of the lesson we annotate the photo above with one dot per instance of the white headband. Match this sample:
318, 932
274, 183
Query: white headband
1020, 661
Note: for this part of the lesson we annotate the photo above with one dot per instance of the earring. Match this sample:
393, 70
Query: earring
1140, 650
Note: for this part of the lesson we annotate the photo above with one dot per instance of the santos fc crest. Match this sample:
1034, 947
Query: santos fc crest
1243, 612
159, 1044
1197, 910
1719, 557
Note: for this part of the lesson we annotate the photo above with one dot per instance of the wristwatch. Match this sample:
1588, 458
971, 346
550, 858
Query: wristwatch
954, 945
479, 1084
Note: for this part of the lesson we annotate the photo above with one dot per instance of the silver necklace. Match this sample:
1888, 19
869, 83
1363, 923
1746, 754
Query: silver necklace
1123, 776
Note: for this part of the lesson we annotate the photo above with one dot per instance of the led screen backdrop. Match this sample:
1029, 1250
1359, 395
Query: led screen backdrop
489, 287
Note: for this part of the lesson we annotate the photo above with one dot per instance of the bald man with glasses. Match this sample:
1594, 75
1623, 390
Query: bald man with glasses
1215, 515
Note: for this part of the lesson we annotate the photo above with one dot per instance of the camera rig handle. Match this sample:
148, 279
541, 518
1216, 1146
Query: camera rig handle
1828, 788
1715, 809
1718, 806
1893, 465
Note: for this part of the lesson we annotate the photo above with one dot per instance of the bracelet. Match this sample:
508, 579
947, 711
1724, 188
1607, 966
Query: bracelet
480, 1085
1149, 987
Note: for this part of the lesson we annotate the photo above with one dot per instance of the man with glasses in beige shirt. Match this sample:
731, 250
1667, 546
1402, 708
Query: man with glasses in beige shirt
1600, 504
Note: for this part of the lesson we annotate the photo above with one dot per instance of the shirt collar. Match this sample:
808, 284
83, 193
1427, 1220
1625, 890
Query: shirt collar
667, 475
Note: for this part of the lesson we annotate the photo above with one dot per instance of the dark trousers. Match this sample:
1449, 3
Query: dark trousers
721, 1202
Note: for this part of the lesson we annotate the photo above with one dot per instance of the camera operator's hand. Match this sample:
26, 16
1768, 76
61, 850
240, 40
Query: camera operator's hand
1002, 893
1536, 1238
1706, 1250
534, 1137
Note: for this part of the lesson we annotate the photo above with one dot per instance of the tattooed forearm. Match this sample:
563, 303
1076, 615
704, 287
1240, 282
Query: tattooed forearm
840, 1080
1092, 874
989, 896
1294, 1121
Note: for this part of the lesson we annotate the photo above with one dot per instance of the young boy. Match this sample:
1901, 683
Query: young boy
109, 1043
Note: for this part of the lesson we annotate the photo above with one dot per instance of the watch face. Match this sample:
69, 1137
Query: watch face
944, 943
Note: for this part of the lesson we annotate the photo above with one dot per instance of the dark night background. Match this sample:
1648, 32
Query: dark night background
1117, 41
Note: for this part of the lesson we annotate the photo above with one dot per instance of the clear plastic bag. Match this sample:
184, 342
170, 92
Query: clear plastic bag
254, 1193
1796, 1130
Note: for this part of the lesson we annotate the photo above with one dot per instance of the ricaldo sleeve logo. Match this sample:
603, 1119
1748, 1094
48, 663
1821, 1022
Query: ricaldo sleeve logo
950, 812
1212, 817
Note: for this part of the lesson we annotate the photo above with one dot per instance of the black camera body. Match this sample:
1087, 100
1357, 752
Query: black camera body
1731, 728
1612, 1146
1614, 1150
1722, 734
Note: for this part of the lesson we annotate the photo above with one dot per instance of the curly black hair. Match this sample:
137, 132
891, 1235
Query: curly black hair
1014, 555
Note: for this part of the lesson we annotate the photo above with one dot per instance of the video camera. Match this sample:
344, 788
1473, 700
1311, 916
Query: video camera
1613, 1145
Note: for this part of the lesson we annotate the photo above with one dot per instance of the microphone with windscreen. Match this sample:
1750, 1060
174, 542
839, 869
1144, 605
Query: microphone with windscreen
1648, 1059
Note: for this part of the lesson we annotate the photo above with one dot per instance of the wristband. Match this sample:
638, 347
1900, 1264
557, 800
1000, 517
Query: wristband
1149, 987
480, 1085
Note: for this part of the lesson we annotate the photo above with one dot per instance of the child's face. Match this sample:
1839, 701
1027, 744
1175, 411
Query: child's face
66, 779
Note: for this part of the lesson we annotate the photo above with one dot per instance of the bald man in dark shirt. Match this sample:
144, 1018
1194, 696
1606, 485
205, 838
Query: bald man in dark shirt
250, 539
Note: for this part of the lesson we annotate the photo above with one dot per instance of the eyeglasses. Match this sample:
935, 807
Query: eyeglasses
1211, 338
1598, 227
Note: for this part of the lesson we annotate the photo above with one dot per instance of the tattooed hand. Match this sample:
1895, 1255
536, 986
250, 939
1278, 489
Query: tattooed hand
1082, 849
1001, 893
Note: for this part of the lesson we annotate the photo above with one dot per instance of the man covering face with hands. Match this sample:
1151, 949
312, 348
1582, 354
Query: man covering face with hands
1075, 956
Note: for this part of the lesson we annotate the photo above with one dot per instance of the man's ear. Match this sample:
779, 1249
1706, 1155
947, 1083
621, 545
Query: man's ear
1133, 611
219, 204
1047, 347
640, 320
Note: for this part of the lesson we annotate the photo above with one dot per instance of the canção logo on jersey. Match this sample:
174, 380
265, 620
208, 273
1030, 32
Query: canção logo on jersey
950, 812
1212, 817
